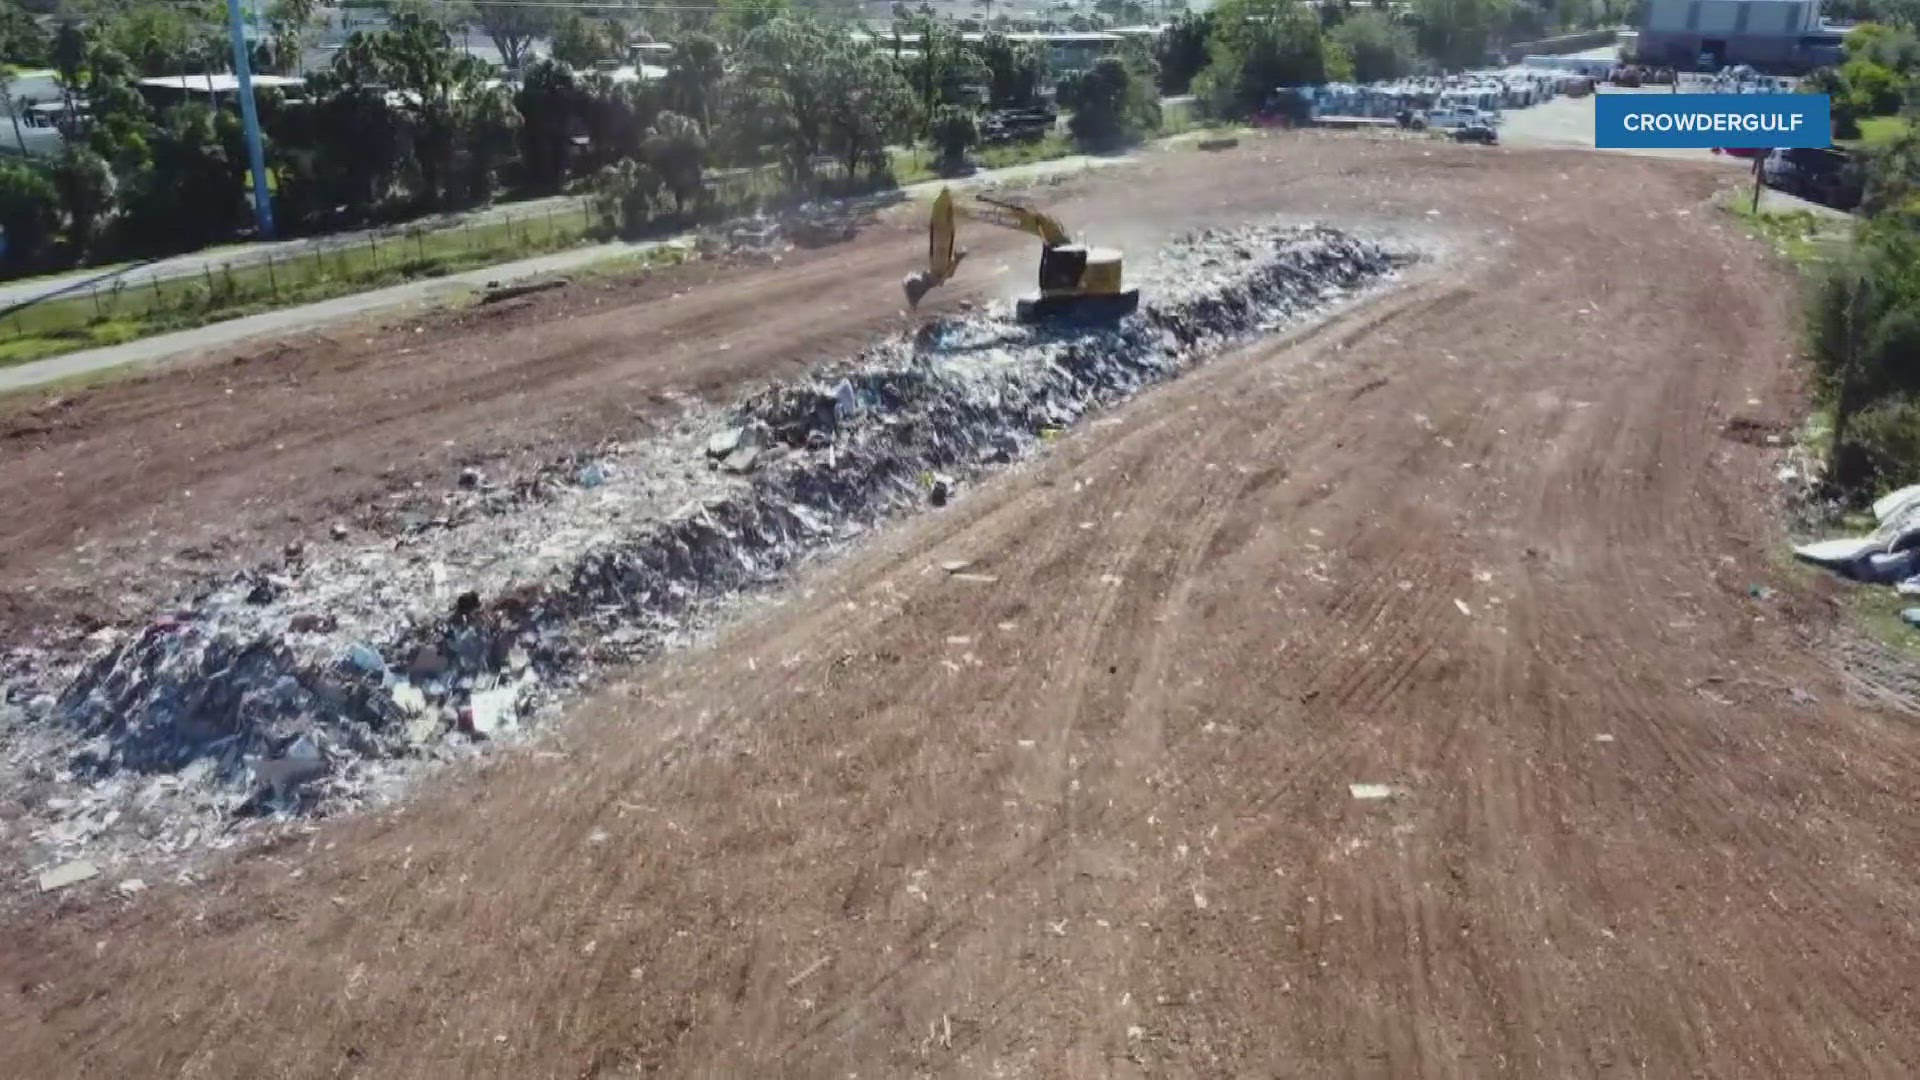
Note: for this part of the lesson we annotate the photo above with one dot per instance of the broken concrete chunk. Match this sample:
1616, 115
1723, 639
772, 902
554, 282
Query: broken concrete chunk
726, 442
338, 531
492, 710
1910, 616
133, 886
409, 698
66, 874
742, 459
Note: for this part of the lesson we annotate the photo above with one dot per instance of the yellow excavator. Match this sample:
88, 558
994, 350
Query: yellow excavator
1077, 283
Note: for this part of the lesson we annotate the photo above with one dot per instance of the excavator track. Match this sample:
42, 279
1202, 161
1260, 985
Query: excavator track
1080, 310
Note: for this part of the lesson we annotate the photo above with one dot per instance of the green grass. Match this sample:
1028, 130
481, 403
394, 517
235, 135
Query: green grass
1880, 130
1807, 239
1048, 147
142, 309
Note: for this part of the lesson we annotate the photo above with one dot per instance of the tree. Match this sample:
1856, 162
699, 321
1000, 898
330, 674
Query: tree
1013, 71
1257, 47
84, 185
120, 124
787, 59
616, 116
512, 28
623, 195
194, 193
1182, 50
548, 101
693, 78
1112, 104
941, 68
1378, 49
492, 131
739, 18
28, 213
22, 41
289, 22
677, 151
954, 132
579, 43
415, 57
69, 53
1863, 333
1456, 33
867, 105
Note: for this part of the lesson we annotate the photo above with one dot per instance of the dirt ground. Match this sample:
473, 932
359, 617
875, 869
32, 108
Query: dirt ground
1481, 540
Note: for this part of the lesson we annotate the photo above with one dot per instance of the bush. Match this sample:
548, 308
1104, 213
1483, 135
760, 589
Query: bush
29, 212
1881, 445
954, 133
1112, 104
1863, 332
624, 194
678, 154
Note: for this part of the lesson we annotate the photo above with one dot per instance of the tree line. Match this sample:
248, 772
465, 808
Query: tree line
402, 122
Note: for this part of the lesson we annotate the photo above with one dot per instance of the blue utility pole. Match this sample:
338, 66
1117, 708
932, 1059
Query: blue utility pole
243, 72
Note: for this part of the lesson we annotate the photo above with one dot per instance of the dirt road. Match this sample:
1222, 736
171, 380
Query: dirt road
1480, 541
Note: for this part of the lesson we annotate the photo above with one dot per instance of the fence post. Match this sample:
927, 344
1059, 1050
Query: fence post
273, 283
226, 271
420, 243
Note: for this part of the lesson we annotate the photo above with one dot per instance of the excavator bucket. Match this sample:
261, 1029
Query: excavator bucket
941, 256
917, 286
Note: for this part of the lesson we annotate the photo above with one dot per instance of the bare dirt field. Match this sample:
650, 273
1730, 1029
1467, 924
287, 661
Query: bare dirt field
1480, 541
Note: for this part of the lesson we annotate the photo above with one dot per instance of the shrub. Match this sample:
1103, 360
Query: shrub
29, 212
954, 133
624, 194
1112, 104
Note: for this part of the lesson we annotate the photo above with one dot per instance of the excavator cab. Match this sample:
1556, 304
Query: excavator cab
1077, 283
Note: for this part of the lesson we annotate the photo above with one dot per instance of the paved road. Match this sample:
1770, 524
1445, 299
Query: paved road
103, 278
151, 350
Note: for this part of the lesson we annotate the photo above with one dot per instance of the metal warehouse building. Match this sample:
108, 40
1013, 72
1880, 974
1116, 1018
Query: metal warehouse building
1776, 35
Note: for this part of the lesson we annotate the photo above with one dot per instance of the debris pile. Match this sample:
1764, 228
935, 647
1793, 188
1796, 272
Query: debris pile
314, 683
1889, 555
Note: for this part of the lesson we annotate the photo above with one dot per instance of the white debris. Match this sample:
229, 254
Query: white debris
493, 709
66, 874
1464, 609
1370, 791
410, 698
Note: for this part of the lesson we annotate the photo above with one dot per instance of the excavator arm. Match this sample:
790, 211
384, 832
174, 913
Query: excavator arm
942, 254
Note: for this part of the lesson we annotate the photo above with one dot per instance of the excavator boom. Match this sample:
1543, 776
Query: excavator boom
1070, 276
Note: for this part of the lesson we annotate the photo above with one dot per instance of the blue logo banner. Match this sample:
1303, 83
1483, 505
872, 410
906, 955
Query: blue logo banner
1704, 121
